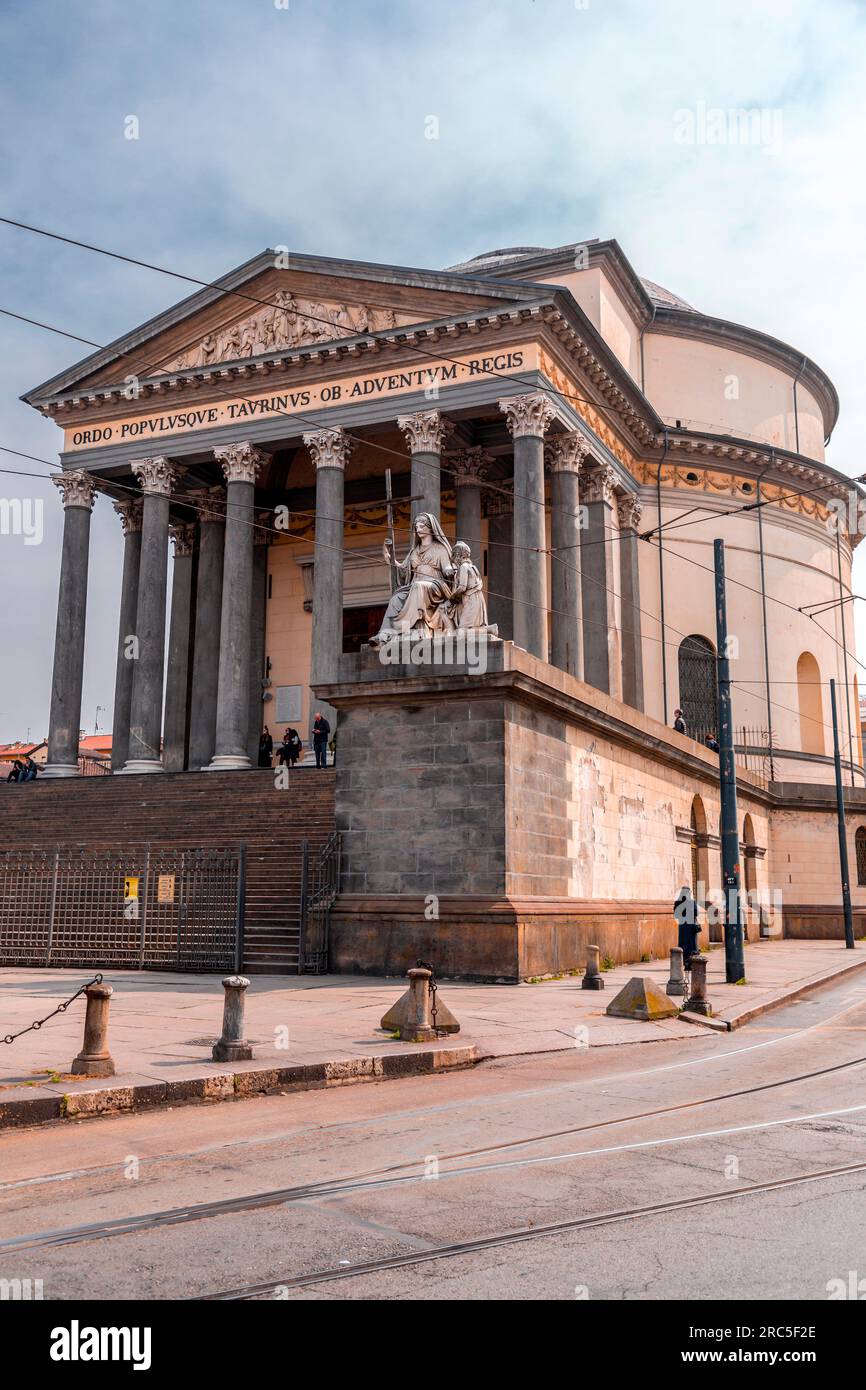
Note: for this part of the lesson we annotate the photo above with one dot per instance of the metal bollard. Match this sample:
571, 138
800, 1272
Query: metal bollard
232, 1047
592, 977
418, 1026
94, 1059
676, 984
697, 1002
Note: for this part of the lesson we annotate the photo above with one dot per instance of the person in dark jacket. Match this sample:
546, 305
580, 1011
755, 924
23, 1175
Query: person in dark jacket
679, 722
290, 748
17, 771
321, 732
712, 743
686, 914
266, 748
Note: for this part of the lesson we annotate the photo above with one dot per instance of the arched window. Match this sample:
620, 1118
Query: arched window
697, 669
857, 724
810, 704
860, 847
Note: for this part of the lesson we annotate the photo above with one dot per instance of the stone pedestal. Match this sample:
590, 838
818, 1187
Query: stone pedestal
468, 841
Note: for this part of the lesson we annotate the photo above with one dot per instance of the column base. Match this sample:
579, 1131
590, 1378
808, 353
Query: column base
228, 762
59, 770
142, 765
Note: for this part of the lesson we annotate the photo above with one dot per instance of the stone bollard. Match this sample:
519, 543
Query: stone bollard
676, 983
697, 1002
592, 977
94, 1059
418, 1026
232, 1047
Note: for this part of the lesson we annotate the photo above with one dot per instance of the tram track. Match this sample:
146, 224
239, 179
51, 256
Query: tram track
247, 1142
274, 1287
396, 1174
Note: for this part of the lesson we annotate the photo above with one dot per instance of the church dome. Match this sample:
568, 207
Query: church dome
665, 299
490, 260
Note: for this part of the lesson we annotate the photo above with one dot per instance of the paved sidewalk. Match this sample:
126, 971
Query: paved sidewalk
310, 1031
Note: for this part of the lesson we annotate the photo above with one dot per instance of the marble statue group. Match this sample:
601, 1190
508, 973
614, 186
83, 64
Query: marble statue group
439, 589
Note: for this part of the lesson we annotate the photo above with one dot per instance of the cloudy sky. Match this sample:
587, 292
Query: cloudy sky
302, 123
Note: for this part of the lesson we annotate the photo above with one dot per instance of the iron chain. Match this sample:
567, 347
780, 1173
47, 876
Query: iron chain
61, 1009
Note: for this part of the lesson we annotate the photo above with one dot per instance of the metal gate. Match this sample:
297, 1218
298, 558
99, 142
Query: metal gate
319, 888
137, 907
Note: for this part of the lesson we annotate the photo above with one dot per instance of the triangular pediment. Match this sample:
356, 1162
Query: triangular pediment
262, 308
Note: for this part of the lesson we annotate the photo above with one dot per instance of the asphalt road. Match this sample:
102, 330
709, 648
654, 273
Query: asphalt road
440, 1161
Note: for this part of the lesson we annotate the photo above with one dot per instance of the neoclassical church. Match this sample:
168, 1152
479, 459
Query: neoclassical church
588, 434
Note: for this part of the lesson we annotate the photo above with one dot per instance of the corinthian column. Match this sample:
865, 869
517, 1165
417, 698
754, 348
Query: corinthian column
528, 417
174, 738
566, 454
599, 600
500, 570
155, 477
628, 512
470, 468
425, 433
130, 519
208, 610
79, 494
329, 450
240, 465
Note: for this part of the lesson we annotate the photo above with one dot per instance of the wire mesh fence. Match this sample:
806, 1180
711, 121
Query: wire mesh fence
133, 907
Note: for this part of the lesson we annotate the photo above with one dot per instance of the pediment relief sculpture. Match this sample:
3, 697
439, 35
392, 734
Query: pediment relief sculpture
286, 322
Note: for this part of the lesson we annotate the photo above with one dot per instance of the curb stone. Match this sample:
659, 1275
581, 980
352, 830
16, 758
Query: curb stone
44, 1104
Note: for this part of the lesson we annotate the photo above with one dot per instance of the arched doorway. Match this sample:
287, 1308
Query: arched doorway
696, 661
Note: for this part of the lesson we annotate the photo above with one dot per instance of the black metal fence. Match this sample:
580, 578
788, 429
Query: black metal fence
135, 907
320, 884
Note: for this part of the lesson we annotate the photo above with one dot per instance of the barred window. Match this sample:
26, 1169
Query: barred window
860, 845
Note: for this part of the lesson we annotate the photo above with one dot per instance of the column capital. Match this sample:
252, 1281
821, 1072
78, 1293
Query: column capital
425, 431
182, 534
628, 510
130, 513
567, 452
470, 466
529, 415
156, 476
599, 484
329, 448
209, 502
77, 488
240, 462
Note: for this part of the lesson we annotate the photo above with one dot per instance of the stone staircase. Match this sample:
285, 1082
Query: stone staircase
188, 810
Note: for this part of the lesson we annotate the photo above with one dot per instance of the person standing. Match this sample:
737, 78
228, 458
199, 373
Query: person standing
266, 748
689, 928
679, 722
321, 732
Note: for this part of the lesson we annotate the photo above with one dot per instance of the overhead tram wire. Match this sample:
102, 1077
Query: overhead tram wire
436, 356
267, 303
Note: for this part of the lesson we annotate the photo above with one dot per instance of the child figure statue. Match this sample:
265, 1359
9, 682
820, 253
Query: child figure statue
467, 607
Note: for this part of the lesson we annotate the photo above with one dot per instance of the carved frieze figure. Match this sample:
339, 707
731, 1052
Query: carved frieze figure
287, 322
